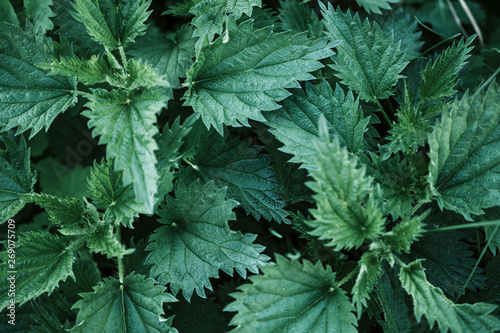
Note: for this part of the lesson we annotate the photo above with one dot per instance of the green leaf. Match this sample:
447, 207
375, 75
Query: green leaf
232, 82
50, 313
367, 61
375, 5
110, 24
87, 275
369, 273
491, 58
347, 210
297, 16
464, 166
42, 260
16, 178
405, 233
169, 55
92, 71
106, 189
142, 74
8, 15
439, 77
104, 240
211, 15
134, 305
57, 179
29, 98
125, 121
448, 261
292, 297
39, 12
492, 214
245, 171
429, 300
296, 123
196, 240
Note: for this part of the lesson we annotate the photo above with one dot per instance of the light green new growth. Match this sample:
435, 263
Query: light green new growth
405, 233
196, 241
431, 302
347, 210
232, 82
368, 61
92, 71
133, 305
370, 272
292, 297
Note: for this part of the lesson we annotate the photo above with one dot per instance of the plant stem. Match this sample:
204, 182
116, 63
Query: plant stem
491, 78
467, 226
383, 112
348, 277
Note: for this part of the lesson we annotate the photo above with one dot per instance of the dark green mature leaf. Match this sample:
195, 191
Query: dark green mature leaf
296, 123
367, 61
292, 297
429, 300
375, 5
245, 171
296, 16
87, 275
29, 98
8, 15
16, 178
448, 262
112, 24
134, 305
107, 190
125, 121
232, 82
439, 77
493, 232
170, 56
39, 12
211, 15
42, 260
51, 313
196, 241
347, 210
465, 164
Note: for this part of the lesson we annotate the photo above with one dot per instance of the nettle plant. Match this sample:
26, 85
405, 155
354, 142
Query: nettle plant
329, 133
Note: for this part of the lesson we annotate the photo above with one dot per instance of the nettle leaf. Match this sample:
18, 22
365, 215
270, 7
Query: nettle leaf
196, 240
246, 172
439, 77
134, 305
108, 192
87, 275
296, 123
429, 300
91, 71
367, 61
347, 211
39, 12
369, 273
112, 24
210, 16
232, 82
492, 214
448, 262
142, 74
8, 15
42, 261
297, 16
375, 5
405, 233
464, 146
29, 98
16, 178
169, 55
292, 297
405, 30
103, 240
125, 121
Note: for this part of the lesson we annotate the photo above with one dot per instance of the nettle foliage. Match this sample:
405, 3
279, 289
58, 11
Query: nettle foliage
319, 148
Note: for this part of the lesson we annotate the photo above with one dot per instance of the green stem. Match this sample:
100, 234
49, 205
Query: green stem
467, 226
421, 203
348, 277
491, 78
77, 242
123, 56
386, 117
190, 164
462, 292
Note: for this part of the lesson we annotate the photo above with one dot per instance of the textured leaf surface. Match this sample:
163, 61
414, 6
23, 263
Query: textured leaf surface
368, 62
196, 241
103, 240
296, 123
429, 300
41, 262
92, 71
347, 212
245, 171
8, 15
405, 233
126, 123
296, 16
376, 5
39, 12
107, 190
136, 305
16, 178
29, 98
233, 81
112, 24
369, 273
292, 297
439, 77
465, 164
